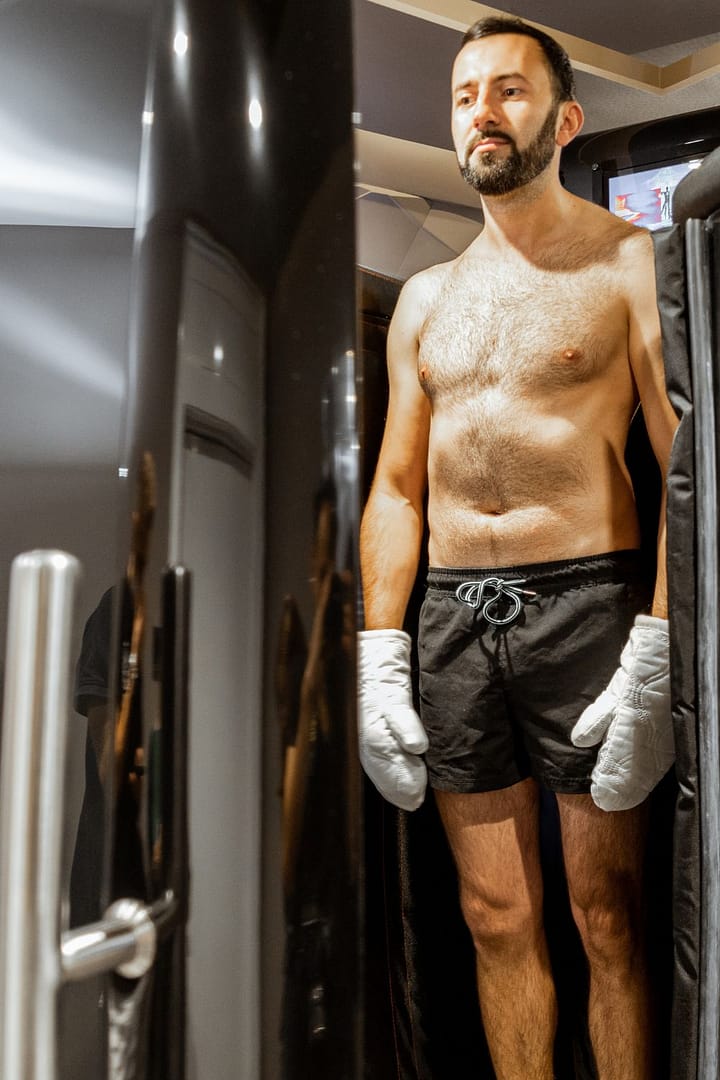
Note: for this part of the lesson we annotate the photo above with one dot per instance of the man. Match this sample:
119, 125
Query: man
514, 373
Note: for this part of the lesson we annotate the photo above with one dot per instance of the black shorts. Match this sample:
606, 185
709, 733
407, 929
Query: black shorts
504, 675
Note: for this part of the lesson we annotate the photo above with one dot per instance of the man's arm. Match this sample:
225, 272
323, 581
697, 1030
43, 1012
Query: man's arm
646, 361
632, 717
392, 525
391, 737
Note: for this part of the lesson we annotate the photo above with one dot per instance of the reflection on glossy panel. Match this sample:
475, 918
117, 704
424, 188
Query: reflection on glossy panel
276, 205
210, 439
71, 85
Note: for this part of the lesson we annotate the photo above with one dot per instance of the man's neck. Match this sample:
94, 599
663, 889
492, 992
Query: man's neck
529, 217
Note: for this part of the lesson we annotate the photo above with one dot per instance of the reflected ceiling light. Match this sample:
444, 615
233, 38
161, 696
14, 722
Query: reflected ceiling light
181, 43
694, 164
255, 114
42, 182
147, 117
58, 347
218, 355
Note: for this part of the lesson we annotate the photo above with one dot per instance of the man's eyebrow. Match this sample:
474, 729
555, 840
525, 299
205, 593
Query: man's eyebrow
511, 75
469, 83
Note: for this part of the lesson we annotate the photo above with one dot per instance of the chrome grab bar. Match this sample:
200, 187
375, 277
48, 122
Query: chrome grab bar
35, 957
34, 737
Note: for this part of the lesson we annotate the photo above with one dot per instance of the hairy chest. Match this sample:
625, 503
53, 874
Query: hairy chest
523, 331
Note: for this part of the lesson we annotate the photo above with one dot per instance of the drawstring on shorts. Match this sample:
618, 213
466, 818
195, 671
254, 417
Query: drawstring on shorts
486, 594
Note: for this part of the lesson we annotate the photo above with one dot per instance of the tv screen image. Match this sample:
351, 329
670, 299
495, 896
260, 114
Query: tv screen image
644, 196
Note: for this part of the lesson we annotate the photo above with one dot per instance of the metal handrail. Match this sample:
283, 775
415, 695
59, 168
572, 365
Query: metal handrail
34, 739
35, 957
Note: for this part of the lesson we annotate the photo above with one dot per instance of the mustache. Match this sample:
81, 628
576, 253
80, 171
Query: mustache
484, 136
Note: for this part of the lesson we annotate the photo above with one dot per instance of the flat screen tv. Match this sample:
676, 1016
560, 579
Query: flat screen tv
643, 196
633, 171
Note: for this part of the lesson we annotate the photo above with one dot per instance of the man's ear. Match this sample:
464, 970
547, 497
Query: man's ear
572, 119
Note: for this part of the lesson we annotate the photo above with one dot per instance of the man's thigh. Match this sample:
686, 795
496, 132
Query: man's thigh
494, 838
603, 852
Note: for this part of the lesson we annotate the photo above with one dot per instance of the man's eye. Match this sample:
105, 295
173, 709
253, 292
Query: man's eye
511, 91
465, 100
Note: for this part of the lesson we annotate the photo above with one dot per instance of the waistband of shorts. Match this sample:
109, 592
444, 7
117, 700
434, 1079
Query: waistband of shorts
612, 567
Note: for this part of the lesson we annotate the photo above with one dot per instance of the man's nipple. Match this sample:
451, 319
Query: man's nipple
426, 381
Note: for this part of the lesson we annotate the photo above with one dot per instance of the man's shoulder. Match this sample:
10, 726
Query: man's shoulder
637, 245
628, 252
601, 242
420, 293
634, 250
425, 284
606, 229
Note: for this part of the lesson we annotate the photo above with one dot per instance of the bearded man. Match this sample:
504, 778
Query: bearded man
515, 371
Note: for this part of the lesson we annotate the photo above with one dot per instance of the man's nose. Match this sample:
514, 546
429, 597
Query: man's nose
485, 112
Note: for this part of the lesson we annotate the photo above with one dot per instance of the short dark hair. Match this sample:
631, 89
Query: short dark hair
558, 61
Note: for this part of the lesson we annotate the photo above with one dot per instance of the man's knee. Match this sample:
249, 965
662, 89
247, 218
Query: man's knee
609, 926
506, 927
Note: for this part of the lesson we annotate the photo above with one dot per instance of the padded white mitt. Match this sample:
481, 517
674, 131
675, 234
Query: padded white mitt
633, 715
390, 734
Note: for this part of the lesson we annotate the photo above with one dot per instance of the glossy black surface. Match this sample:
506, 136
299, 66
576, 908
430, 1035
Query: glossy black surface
233, 127
275, 198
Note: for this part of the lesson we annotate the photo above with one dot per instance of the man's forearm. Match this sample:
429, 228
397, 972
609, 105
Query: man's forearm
390, 538
660, 601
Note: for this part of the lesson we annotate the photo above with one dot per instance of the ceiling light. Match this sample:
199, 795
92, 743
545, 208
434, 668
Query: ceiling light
181, 43
255, 114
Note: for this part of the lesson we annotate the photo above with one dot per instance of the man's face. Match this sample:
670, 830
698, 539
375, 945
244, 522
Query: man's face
504, 113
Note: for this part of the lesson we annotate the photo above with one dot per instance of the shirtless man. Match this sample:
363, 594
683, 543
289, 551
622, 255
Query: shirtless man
514, 373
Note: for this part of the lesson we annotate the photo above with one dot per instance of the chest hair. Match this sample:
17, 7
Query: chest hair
523, 332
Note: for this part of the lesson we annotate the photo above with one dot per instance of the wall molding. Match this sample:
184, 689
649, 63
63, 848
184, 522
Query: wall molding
586, 56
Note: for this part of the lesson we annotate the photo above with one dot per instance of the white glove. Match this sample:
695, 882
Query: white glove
634, 716
390, 734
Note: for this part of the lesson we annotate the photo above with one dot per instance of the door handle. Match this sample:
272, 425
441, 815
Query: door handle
125, 940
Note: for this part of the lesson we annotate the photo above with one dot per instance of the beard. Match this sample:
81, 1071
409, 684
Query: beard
491, 174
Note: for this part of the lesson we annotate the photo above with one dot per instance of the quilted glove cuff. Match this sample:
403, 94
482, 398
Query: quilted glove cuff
384, 665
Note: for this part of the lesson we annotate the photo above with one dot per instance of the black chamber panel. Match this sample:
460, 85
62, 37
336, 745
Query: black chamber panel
688, 287
312, 508
669, 253
248, 138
